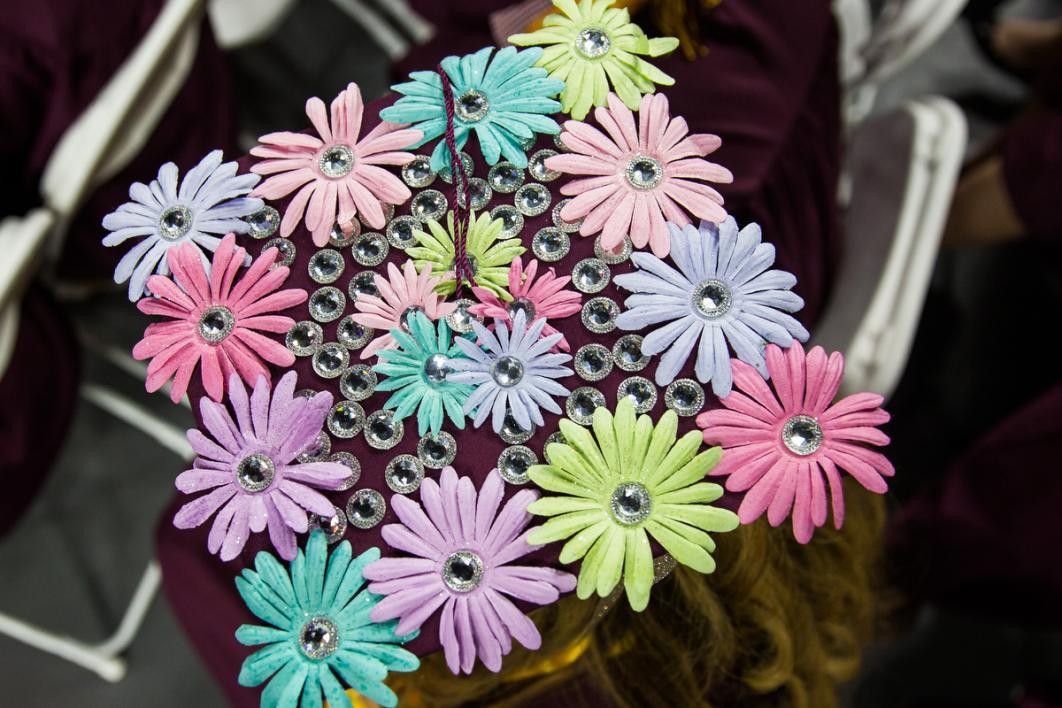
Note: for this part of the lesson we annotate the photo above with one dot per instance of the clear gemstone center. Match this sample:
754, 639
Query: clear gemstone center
592, 43
407, 315
644, 172
255, 472
507, 371
175, 222
319, 638
336, 161
802, 435
436, 367
216, 323
471, 106
631, 504
712, 298
462, 571
522, 304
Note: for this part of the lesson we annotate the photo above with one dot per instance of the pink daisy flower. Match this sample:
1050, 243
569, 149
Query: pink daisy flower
216, 319
544, 299
337, 175
249, 466
461, 548
638, 176
401, 294
779, 445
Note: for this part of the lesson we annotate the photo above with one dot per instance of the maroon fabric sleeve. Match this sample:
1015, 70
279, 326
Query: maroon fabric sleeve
1032, 168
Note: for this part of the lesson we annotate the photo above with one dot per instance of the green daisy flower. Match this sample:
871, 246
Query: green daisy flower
591, 44
417, 372
632, 482
490, 257
320, 628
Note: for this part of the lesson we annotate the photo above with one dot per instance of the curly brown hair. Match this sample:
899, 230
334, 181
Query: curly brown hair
777, 624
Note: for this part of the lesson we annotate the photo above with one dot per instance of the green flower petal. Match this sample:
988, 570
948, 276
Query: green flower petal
578, 545
638, 574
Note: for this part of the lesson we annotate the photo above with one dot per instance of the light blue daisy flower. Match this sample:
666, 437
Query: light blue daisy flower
419, 374
320, 625
721, 293
504, 100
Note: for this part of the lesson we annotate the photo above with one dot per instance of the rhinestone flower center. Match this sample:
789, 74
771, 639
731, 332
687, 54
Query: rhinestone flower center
522, 304
644, 172
216, 323
255, 472
175, 222
462, 571
336, 161
631, 504
471, 106
712, 298
592, 43
319, 638
802, 435
507, 371
436, 367
407, 315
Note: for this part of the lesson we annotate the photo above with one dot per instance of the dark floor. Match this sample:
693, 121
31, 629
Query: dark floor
89, 535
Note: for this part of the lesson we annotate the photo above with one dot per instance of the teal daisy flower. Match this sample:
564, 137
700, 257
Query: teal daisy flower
504, 101
418, 373
320, 628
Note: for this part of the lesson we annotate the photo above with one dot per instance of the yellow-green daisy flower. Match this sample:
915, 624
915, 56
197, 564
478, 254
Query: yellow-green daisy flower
490, 257
591, 43
626, 482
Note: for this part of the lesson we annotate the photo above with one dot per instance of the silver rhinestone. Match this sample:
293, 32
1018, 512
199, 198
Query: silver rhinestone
590, 275
330, 360
327, 303
318, 449
712, 298
436, 450
348, 460
528, 142
404, 474
802, 435
466, 165
512, 220
319, 638
460, 320
382, 431
536, 165
550, 244
370, 249
644, 172
429, 204
684, 396
505, 177
364, 283
511, 432
627, 352
566, 226
581, 404
507, 371
334, 526
417, 173
522, 304
532, 199
407, 314
285, 251
346, 419
216, 323
480, 193
437, 368
640, 391
353, 335
555, 438
388, 210
400, 233
304, 337
263, 223
336, 161
305, 393
592, 43
559, 143
514, 462
325, 266
255, 472
365, 508
471, 106
599, 314
593, 362
175, 222
631, 504
613, 257
338, 238
462, 571
358, 382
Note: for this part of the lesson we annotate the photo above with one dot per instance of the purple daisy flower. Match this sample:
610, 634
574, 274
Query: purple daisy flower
251, 469
462, 547
514, 372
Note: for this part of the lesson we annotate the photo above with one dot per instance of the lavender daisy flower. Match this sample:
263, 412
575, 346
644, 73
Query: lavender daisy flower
210, 200
721, 293
514, 373
251, 469
462, 548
